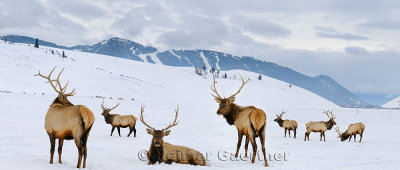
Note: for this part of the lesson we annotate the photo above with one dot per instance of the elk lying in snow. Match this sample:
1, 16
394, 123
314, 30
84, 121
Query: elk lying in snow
352, 130
67, 121
161, 151
288, 125
320, 126
119, 121
249, 121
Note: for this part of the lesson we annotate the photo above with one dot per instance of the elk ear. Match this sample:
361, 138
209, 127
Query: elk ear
232, 99
166, 133
218, 100
149, 131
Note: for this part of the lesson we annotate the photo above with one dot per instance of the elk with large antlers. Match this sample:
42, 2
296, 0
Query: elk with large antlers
249, 120
320, 126
67, 121
352, 130
161, 151
288, 125
119, 121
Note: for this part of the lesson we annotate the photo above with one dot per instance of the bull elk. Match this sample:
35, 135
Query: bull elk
321, 126
161, 151
288, 125
249, 120
119, 121
67, 121
352, 130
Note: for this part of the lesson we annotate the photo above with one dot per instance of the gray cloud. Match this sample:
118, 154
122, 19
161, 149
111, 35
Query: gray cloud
259, 26
382, 24
327, 32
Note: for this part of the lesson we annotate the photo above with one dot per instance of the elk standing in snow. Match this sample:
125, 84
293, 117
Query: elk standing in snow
288, 125
161, 151
67, 121
119, 121
352, 130
249, 120
320, 126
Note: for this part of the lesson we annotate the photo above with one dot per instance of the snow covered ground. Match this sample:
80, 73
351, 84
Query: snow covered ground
24, 143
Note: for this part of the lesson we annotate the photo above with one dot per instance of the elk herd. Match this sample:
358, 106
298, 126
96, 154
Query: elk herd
65, 120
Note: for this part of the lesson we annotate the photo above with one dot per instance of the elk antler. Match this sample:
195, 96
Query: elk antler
115, 106
243, 83
105, 108
337, 130
283, 112
331, 116
214, 89
142, 120
102, 106
61, 90
173, 123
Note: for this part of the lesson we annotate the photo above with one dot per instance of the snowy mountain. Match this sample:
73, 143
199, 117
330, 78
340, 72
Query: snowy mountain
322, 85
393, 104
26, 98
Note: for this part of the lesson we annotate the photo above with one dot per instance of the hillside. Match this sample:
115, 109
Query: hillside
323, 86
393, 104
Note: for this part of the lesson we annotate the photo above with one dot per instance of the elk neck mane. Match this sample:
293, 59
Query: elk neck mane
57, 101
280, 122
108, 118
234, 112
156, 153
329, 124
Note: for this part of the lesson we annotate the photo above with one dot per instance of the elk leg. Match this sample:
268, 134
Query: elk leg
134, 131
119, 131
361, 134
246, 146
80, 150
84, 143
60, 145
289, 133
320, 136
112, 130
285, 132
253, 143
355, 138
350, 138
52, 147
240, 137
262, 140
294, 133
130, 131
324, 136
305, 137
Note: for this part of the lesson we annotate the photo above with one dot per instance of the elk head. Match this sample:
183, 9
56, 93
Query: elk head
331, 117
279, 117
340, 135
225, 104
106, 110
158, 135
62, 95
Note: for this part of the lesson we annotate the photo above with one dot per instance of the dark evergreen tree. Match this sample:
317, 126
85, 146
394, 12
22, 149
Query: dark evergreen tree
63, 55
225, 75
37, 43
218, 72
212, 70
259, 77
204, 68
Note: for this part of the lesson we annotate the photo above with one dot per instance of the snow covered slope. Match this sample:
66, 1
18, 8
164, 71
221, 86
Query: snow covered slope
393, 104
24, 100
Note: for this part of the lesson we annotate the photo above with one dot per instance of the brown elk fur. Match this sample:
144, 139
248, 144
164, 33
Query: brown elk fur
67, 121
119, 121
352, 130
164, 152
249, 121
288, 125
320, 126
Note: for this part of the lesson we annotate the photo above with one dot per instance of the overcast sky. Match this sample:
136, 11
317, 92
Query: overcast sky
356, 42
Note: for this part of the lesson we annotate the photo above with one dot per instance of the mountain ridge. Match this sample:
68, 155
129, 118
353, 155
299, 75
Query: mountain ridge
321, 85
